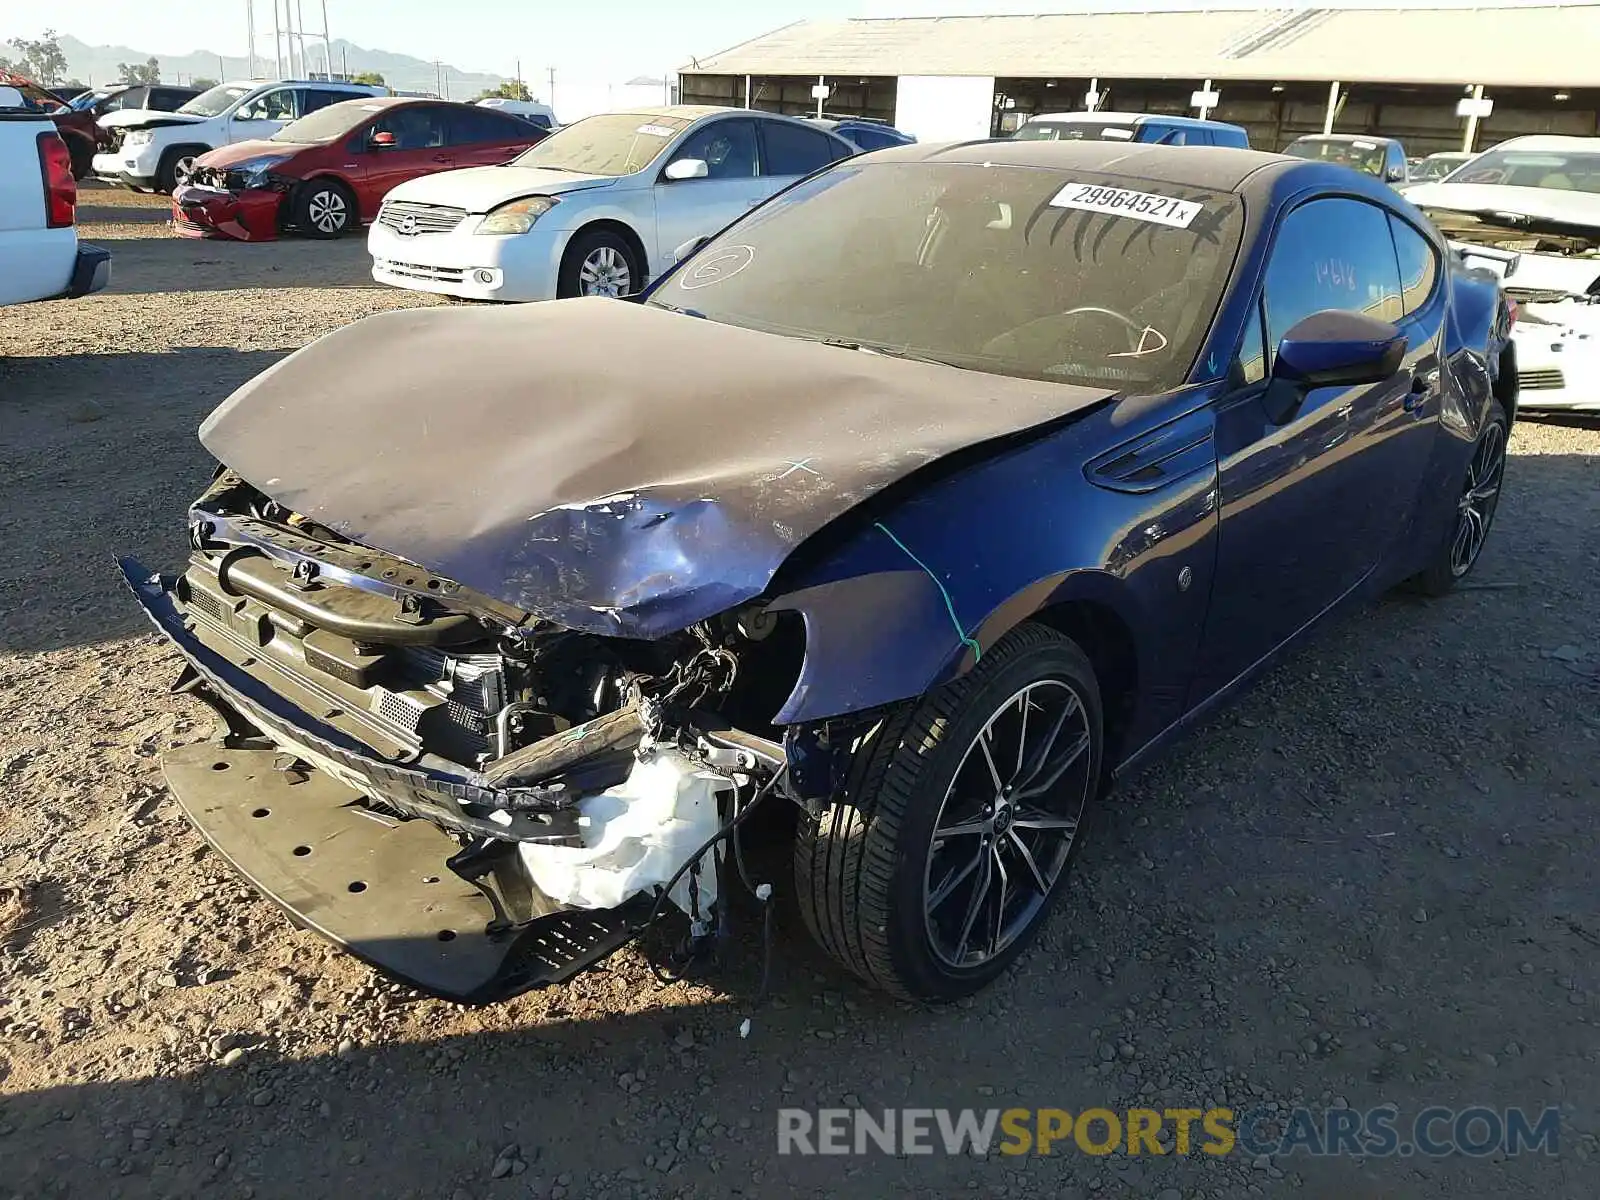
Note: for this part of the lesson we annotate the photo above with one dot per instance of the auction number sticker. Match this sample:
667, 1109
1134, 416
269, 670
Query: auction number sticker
1142, 206
656, 130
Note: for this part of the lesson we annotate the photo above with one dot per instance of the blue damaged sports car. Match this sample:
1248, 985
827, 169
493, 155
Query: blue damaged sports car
916, 505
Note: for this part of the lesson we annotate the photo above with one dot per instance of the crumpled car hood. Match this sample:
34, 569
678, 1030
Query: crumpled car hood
614, 467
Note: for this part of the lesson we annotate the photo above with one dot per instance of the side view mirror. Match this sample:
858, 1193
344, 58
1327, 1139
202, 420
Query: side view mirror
689, 247
1338, 348
382, 140
687, 168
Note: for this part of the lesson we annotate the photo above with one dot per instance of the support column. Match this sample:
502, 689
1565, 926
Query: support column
747, 91
1091, 102
1472, 119
1333, 107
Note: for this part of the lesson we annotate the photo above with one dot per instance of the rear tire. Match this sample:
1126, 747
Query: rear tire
599, 262
1475, 509
324, 209
902, 878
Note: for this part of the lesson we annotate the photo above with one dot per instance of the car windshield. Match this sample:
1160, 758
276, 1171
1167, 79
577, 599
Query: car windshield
1564, 170
212, 103
607, 144
1073, 131
86, 100
1075, 278
328, 124
1359, 153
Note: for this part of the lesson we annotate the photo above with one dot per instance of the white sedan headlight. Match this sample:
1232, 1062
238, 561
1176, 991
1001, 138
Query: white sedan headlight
138, 137
517, 216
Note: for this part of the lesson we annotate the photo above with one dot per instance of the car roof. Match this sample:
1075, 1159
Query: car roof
1346, 137
1216, 168
1550, 141
1127, 118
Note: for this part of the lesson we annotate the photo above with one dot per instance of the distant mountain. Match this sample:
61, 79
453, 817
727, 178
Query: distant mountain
98, 64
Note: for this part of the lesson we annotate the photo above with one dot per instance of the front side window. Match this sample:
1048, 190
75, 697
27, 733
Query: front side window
796, 150
420, 127
1419, 265
276, 105
1331, 253
606, 144
1083, 278
728, 148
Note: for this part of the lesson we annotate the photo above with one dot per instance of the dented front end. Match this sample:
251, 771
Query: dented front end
471, 798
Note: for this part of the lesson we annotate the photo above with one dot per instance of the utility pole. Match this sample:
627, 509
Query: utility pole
250, 29
327, 46
438, 78
277, 42
551, 71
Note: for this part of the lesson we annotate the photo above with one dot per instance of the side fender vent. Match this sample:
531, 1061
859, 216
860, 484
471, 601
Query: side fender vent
1158, 458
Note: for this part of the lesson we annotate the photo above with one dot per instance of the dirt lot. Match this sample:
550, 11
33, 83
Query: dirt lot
1371, 881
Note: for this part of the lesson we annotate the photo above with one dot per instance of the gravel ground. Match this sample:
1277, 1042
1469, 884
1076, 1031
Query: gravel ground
1369, 882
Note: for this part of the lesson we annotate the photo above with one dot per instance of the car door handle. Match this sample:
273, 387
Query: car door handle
442, 158
1423, 385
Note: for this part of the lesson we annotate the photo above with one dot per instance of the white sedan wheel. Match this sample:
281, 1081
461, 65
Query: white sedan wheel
605, 272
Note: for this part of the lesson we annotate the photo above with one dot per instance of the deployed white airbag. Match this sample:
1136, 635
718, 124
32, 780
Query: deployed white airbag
636, 835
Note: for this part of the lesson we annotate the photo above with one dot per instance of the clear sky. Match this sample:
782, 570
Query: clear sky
609, 39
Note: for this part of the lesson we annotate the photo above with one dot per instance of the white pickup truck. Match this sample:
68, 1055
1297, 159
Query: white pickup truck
40, 258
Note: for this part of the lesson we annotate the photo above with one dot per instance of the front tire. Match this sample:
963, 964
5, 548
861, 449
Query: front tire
961, 817
599, 263
324, 209
176, 165
1475, 508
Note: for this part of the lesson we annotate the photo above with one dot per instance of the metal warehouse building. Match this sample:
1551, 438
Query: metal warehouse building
1437, 78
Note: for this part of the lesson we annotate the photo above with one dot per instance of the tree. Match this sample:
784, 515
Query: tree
41, 61
201, 83
511, 89
372, 77
148, 72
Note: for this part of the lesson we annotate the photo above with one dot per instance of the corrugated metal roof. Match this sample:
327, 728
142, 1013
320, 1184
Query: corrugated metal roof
1556, 46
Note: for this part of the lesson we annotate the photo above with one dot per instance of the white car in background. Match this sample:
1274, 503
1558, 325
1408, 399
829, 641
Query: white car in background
156, 150
1529, 210
531, 111
597, 209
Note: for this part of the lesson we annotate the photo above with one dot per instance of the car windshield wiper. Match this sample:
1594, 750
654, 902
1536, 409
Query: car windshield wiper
688, 312
886, 351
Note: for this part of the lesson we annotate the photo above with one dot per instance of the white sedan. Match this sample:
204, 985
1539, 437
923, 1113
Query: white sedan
1529, 210
597, 209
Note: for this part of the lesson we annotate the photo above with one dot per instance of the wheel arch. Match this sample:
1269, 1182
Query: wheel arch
845, 669
623, 230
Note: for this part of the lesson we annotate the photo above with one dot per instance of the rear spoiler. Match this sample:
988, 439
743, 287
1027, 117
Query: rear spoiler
1502, 263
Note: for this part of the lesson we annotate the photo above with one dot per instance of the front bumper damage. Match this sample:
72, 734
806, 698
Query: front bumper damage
246, 215
288, 811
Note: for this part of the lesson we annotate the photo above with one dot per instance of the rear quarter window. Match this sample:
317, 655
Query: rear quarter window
1419, 265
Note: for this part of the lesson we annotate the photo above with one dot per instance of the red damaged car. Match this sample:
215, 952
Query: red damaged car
328, 172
